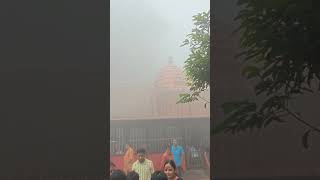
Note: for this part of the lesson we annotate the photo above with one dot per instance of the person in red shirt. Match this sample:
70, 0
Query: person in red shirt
128, 159
167, 155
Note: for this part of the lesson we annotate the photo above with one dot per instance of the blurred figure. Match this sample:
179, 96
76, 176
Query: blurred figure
118, 175
133, 176
167, 155
112, 167
207, 156
159, 175
128, 158
145, 146
170, 170
144, 167
178, 156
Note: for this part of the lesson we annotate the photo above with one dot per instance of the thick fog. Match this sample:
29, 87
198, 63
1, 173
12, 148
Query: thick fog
144, 34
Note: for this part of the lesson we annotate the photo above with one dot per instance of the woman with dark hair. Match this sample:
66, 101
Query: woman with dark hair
170, 169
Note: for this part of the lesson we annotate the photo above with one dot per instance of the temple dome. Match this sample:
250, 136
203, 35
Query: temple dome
171, 77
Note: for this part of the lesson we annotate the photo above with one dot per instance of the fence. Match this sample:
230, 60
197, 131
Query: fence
154, 140
155, 134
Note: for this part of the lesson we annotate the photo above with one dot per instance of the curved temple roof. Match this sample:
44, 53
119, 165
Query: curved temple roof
159, 101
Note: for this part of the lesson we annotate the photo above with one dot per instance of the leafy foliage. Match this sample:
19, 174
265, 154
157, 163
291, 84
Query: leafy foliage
281, 52
197, 65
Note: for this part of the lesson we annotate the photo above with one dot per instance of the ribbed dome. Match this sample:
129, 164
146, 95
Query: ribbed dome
171, 77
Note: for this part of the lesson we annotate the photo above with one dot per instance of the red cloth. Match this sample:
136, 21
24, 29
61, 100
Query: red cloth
165, 157
184, 163
128, 160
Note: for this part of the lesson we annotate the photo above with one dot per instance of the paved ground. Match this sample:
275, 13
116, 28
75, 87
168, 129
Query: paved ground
195, 175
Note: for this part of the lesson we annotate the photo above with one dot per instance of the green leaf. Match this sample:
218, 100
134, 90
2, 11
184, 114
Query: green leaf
267, 122
219, 129
184, 98
278, 119
251, 71
307, 89
231, 106
197, 65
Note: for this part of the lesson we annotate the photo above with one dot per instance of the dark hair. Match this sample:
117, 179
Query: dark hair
118, 175
172, 163
133, 176
141, 150
159, 175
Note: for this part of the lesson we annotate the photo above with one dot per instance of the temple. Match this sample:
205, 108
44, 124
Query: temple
158, 100
150, 117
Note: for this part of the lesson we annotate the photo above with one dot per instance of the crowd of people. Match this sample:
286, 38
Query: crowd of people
143, 168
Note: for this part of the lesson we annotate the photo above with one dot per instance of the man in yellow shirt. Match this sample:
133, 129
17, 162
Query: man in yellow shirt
144, 167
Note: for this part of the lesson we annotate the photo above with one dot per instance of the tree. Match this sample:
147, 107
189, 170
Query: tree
197, 65
281, 45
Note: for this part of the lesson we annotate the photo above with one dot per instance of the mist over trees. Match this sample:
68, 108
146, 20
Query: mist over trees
280, 52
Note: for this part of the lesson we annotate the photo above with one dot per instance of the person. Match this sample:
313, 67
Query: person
128, 158
133, 176
170, 170
207, 156
112, 167
178, 156
167, 155
144, 167
118, 175
159, 175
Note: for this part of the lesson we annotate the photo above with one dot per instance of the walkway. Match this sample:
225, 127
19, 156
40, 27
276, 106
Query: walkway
195, 175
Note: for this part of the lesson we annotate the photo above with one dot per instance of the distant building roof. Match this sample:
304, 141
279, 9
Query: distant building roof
171, 77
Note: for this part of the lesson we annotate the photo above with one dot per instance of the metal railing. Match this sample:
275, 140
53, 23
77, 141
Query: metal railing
154, 140
194, 158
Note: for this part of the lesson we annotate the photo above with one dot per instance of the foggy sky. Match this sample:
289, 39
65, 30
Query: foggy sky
144, 33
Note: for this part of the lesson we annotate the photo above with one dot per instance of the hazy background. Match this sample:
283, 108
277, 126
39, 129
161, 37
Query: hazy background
144, 33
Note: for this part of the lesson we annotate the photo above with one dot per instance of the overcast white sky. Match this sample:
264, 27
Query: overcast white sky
144, 33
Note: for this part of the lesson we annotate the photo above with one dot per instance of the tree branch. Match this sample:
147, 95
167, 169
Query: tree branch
204, 99
314, 128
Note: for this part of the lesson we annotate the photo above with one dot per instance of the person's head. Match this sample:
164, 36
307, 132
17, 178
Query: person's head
141, 155
159, 175
112, 167
118, 175
133, 176
168, 149
174, 142
128, 146
170, 169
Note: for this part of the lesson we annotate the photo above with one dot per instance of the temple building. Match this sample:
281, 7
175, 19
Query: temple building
159, 100
150, 117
